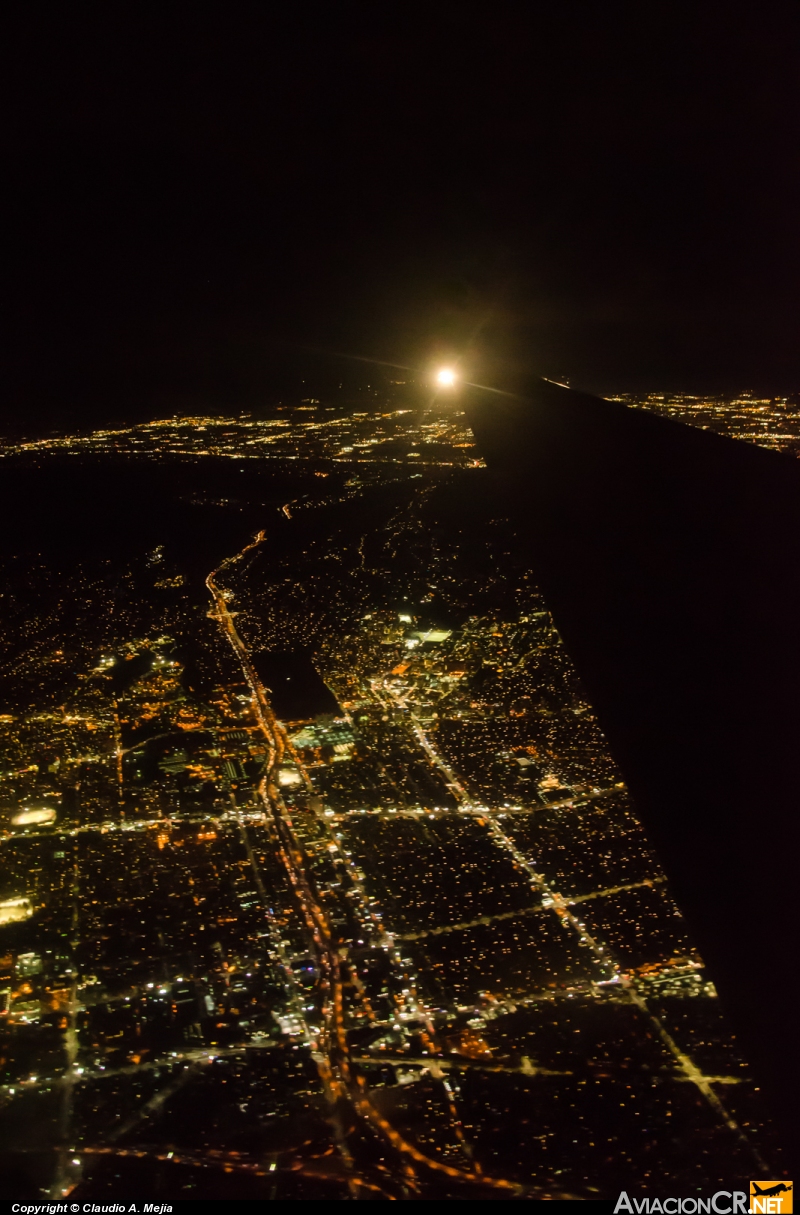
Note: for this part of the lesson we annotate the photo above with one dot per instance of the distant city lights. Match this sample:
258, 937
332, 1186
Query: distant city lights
442, 858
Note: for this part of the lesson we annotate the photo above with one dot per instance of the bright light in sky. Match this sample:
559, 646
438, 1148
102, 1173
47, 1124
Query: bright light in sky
446, 377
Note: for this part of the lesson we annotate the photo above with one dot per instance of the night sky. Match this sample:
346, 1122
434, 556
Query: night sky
194, 194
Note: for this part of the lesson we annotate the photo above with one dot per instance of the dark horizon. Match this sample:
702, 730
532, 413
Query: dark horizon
332, 376
604, 197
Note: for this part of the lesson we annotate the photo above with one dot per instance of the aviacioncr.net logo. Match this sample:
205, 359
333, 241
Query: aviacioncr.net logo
724, 1202
765, 1198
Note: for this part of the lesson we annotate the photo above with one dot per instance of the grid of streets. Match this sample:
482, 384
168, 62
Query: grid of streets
318, 879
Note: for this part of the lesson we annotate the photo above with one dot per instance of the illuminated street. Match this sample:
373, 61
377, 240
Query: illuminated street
320, 860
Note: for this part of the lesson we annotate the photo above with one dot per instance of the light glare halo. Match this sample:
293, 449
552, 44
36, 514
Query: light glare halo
446, 377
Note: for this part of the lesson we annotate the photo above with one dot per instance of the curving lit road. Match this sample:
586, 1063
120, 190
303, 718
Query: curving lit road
330, 1049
